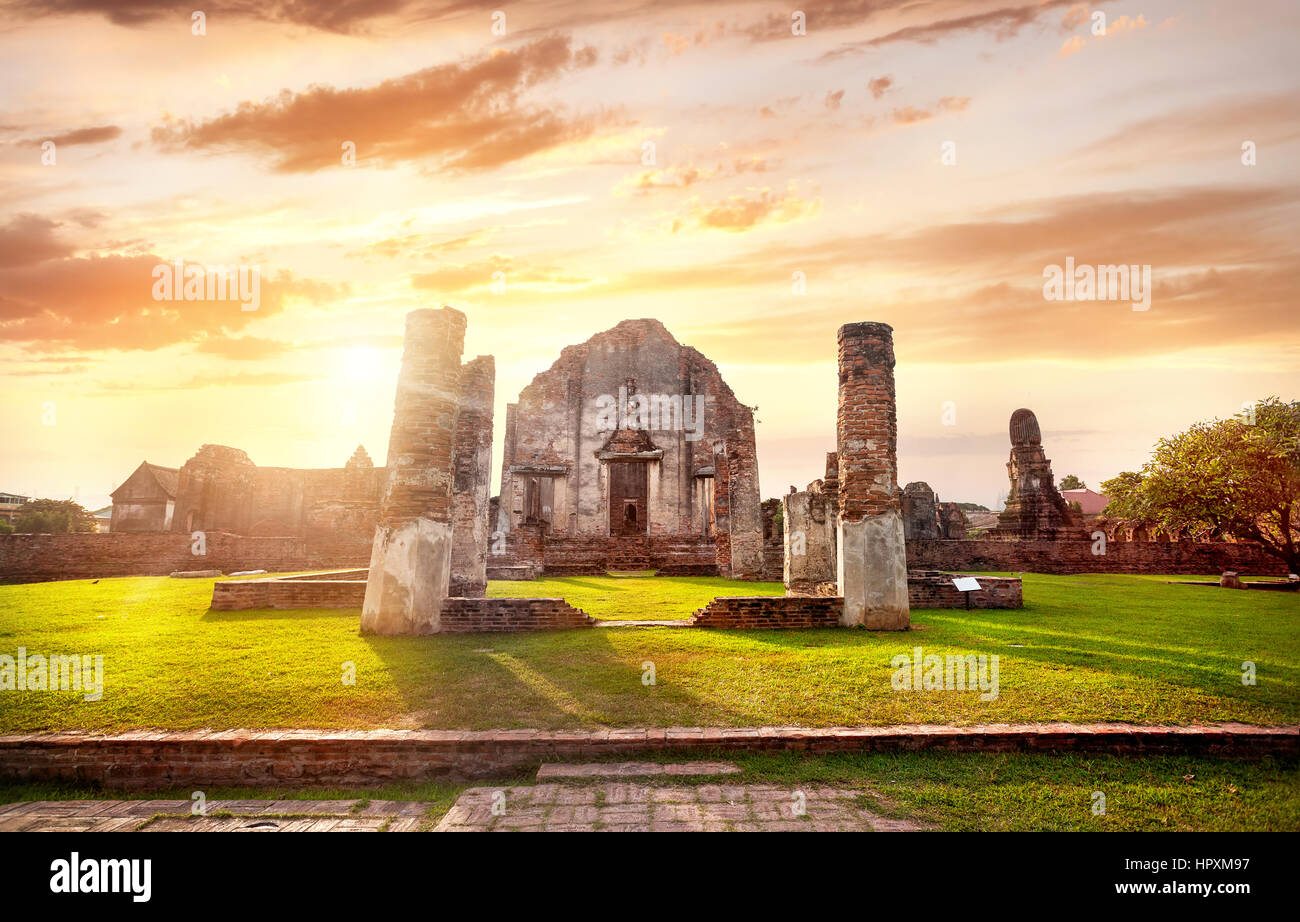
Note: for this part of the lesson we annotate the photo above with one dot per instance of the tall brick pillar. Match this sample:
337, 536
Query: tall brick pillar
472, 481
410, 561
871, 556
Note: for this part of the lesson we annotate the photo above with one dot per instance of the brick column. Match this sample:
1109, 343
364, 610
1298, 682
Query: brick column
871, 553
410, 561
471, 484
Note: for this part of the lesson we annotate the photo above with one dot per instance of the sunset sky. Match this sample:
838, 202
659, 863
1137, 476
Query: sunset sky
522, 153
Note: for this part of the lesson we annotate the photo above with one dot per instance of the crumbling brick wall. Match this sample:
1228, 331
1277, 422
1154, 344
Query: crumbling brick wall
472, 474
40, 558
1045, 555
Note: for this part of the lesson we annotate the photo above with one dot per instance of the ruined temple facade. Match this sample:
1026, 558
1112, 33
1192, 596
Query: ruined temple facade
1035, 508
633, 439
221, 489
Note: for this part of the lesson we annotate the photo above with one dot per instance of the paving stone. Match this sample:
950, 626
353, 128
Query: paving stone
626, 807
567, 770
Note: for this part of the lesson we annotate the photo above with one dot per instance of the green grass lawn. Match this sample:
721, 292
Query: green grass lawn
957, 791
639, 597
1093, 647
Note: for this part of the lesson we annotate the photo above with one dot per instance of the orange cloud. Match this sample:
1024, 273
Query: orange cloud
106, 302
465, 116
29, 239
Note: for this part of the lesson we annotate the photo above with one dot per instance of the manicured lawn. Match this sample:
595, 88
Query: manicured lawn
1084, 648
621, 598
958, 791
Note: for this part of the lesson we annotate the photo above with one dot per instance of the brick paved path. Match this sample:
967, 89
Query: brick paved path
616, 806
568, 797
245, 816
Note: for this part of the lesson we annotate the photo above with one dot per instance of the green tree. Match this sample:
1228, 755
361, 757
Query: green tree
1236, 477
53, 517
1071, 482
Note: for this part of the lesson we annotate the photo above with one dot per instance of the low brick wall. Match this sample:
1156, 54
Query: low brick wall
320, 591
1076, 556
459, 615
758, 612
38, 558
935, 590
470, 616
145, 759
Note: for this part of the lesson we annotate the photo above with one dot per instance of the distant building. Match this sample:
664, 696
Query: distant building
1090, 503
221, 489
10, 503
103, 519
146, 500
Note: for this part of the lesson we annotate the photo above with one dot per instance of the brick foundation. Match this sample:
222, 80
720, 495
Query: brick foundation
470, 616
935, 590
759, 612
145, 759
345, 589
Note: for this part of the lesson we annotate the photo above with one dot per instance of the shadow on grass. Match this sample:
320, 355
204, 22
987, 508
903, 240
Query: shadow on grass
280, 614
544, 679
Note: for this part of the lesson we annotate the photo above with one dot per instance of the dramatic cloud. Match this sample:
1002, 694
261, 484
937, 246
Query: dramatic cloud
1003, 22
464, 116
28, 239
106, 302
333, 15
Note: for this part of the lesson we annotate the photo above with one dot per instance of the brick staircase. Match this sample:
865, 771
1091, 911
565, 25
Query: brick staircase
628, 553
